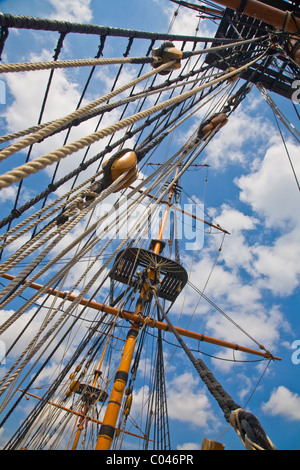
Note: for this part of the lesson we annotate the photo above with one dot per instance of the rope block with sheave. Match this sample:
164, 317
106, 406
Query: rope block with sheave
217, 121
121, 162
165, 53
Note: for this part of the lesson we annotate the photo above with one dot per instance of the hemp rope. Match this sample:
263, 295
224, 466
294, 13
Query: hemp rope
45, 65
40, 163
45, 131
33, 66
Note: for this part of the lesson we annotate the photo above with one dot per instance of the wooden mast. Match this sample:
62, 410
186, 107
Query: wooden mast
267, 13
107, 429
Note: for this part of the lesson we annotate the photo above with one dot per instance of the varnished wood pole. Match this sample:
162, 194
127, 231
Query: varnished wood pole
266, 13
152, 323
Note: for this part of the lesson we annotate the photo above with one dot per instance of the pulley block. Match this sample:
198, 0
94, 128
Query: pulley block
167, 52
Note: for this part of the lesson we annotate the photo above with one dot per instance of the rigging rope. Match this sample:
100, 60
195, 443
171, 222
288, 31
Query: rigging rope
245, 424
48, 129
34, 66
39, 163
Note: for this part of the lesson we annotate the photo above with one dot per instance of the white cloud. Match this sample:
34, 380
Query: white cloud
187, 403
283, 402
28, 89
239, 141
189, 446
72, 10
8, 194
270, 189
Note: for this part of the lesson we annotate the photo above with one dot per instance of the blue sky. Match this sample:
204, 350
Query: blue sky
250, 191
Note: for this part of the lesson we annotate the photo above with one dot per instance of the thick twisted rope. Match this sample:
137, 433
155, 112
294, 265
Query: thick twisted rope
7, 381
40, 163
51, 127
33, 66
45, 65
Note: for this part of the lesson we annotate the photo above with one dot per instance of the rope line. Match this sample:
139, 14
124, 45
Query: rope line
40, 163
245, 424
45, 131
34, 66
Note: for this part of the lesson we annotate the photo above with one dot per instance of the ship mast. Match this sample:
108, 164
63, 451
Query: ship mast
107, 429
154, 280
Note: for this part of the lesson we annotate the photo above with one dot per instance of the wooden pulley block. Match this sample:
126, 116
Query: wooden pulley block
233, 78
218, 120
167, 52
125, 161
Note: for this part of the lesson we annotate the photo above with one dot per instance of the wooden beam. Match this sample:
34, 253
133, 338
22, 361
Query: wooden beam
208, 444
81, 415
263, 12
150, 322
